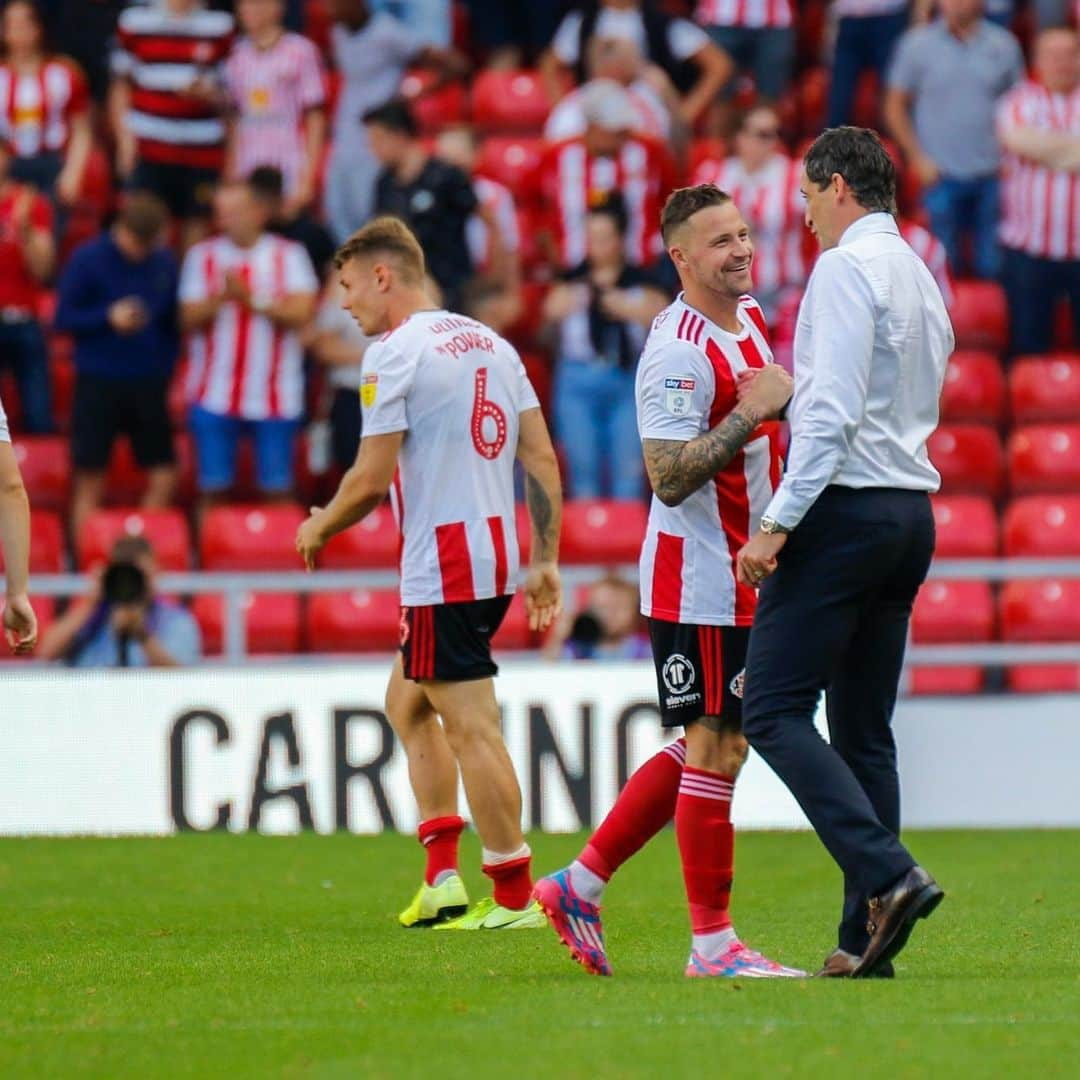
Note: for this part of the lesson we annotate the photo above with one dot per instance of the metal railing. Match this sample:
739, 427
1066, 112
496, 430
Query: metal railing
235, 588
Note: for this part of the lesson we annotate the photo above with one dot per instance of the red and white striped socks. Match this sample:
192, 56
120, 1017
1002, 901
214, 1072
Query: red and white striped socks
440, 837
706, 846
643, 808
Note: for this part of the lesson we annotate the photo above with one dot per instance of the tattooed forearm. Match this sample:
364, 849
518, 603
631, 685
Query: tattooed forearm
545, 521
678, 469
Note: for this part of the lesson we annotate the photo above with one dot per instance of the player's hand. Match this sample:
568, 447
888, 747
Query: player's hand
310, 539
67, 187
235, 289
768, 391
543, 595
757, 559
20, 625
129, 619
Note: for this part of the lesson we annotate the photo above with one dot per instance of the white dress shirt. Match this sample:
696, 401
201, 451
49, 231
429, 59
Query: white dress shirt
871, 344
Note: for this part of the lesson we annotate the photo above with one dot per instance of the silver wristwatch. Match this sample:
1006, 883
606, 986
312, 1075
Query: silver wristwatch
769, 526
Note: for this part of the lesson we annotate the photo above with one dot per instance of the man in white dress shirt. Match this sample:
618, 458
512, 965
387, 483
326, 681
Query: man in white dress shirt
847, 540
20, 625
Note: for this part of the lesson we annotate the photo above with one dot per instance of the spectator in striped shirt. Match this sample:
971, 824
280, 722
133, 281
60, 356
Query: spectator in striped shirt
1038, 124
44, 110
167, 105
274, 84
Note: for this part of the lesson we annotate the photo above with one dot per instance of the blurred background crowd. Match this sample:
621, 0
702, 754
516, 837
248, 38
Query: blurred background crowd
175, 176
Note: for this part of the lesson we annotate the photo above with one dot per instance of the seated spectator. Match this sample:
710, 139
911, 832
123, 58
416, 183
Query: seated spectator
598, 318
866, 34
372, 51
167, 105
608, 628
275, 89
122, 621
267, 183
27, 260
608, 157
1040, 230
339, 344
651, 93
764, 182
693, 63
758, 35
117, 298
46, 117
244, 297
434, 198
943, 87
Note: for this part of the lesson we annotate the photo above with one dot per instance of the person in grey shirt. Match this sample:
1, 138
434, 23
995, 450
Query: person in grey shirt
846, 541
372, 51
943, 86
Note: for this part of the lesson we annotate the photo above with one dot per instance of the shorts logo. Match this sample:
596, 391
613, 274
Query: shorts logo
678, 674
678, 395
738, 684
369, 387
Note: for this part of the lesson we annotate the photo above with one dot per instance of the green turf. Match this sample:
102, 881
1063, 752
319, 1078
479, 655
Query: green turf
254, 956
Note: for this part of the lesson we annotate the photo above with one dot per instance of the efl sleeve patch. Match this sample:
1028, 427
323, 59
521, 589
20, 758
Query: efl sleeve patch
369, 388
678, 395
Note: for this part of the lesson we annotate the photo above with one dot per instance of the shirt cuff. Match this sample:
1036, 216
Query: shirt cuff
785, 508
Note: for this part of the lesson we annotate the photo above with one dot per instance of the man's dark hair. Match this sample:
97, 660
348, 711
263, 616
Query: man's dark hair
144, 215
394, 115
683, 203
612, 206
858, 156
267, 182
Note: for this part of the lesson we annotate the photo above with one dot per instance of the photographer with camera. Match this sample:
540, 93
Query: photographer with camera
122, 622
608, 627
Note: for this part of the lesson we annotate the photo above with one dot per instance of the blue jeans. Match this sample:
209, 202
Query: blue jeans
217, 439
22, 348
967, 207
596, 420
767, 52
1033, 288
861, 43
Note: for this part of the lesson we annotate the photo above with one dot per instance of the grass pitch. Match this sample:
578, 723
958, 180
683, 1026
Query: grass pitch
252, 956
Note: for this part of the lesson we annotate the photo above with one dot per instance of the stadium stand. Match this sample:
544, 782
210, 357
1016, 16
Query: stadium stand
1045, 388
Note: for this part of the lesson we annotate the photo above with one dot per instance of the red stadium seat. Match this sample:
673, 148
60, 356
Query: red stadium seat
272, 621
514, 634
372, 544
167, 531
509, 159
967, 527
125, 481
46, 543
250, 538
980, 316
1045, 388
974, 389
1042, 526
96, 192
438, 109
360, 621
62, 380
969, 458
46, 469
1064, 331
1044, 458
603, 531
509, 101
951, 612
1041, 611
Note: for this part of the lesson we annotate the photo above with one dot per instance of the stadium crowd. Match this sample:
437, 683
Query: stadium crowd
175, 176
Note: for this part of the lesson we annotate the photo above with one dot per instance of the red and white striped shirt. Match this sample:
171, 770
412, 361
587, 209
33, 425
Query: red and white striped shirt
567, 119
752, 14
1040, 205
932, 252
496, 198
161, 55
686, 384
36, 109
772, 205
570, 180
457, 390
244, 364
271, 89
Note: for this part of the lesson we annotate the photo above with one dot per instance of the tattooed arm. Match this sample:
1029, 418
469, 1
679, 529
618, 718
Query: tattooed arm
543, 496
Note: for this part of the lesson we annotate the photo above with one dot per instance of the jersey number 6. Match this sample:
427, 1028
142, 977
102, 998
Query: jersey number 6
482, 410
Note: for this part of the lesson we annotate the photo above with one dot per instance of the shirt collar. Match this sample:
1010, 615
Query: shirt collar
871, 223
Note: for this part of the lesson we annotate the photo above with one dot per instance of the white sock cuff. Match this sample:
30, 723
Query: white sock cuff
493, 858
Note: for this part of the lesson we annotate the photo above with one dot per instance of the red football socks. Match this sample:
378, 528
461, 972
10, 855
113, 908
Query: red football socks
643, 808
440, 839
511, 876
706, 846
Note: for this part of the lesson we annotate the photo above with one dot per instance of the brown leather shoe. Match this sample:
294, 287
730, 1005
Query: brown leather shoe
840, 964
893, 915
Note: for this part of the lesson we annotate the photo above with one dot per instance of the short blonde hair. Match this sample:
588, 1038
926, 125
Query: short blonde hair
385, 236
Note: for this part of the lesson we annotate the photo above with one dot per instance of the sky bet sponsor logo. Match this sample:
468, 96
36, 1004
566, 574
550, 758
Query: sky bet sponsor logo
679, 384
